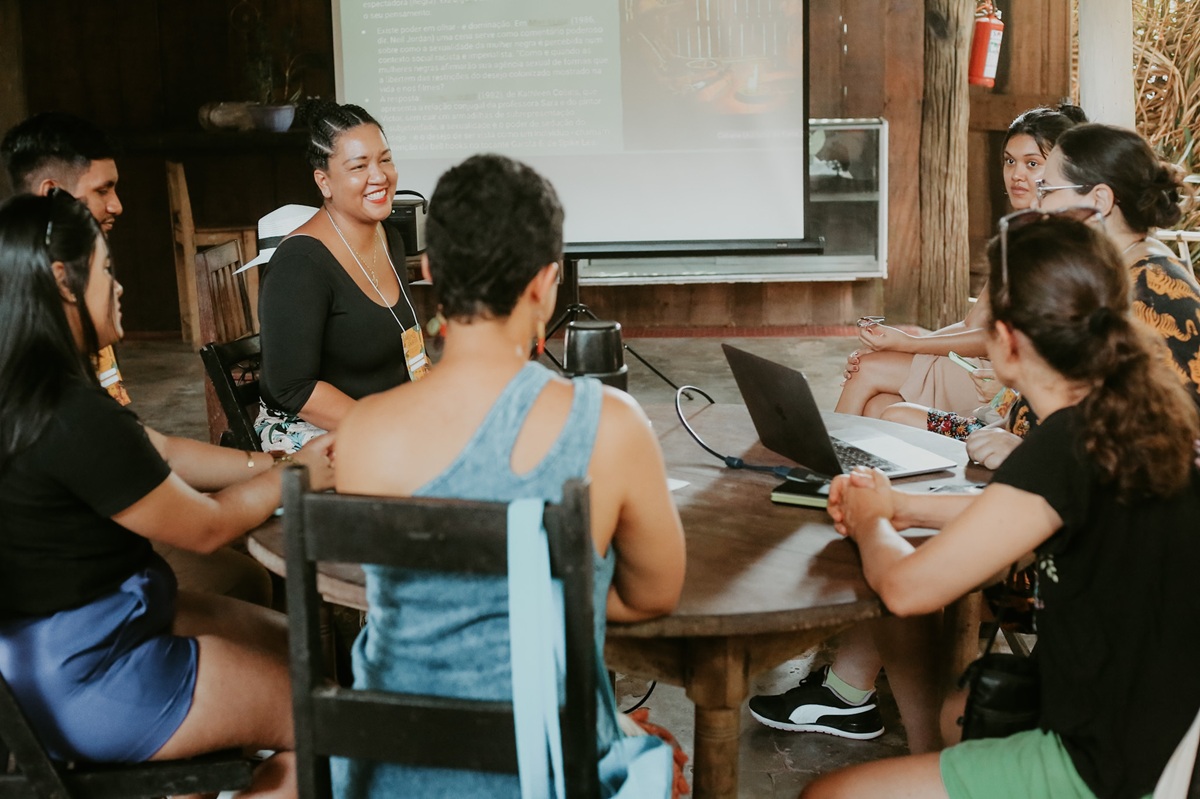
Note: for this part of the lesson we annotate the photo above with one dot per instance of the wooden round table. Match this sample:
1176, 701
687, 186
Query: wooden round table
764, 583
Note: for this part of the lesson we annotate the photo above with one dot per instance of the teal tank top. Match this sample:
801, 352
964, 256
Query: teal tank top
447, 635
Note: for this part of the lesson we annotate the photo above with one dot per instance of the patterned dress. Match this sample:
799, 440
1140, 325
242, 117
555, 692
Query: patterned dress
1167, 298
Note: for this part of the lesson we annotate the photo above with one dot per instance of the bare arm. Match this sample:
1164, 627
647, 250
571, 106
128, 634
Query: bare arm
206, 467
178, 514
967, 337
648, 538
326, 406
906, 509
997, 529
966, 341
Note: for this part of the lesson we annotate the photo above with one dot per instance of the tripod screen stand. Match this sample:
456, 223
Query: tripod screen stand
575, 309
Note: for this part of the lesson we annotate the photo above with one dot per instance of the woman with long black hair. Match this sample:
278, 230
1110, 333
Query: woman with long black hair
106, 658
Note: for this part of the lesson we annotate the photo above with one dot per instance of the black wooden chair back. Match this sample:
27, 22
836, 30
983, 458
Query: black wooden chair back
27, 772
440, 535
233, 369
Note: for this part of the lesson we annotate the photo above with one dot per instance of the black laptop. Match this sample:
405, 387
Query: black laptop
787, 419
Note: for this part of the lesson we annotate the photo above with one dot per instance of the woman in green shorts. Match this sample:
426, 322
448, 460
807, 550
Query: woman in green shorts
1104, 491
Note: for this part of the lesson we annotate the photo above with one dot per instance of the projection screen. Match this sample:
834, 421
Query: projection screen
670, 121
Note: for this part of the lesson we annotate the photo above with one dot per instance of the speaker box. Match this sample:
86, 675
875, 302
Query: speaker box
408, 218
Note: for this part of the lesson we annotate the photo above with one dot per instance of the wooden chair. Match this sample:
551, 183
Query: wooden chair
27, 771
233, 369
440, 535
188, 239
226, 303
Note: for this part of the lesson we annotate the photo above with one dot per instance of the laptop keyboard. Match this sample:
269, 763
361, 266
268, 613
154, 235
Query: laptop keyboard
850, 456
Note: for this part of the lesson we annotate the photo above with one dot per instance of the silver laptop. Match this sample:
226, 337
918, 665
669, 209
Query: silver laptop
788, 421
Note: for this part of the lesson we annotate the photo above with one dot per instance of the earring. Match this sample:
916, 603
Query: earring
541, 337
436, 326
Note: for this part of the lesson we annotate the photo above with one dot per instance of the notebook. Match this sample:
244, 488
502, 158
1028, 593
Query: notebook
787, 419
795, 492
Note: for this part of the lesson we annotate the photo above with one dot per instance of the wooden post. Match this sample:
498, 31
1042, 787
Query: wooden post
945, 269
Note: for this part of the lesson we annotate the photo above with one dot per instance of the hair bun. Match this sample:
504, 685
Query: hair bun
1101, 320
313, 108
1071, 111
1159, 202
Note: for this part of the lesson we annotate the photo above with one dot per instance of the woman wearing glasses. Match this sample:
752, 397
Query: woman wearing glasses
1105, 493
1114, 171
892, 366
107, 659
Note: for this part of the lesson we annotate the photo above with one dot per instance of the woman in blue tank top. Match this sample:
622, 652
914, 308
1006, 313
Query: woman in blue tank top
489, 424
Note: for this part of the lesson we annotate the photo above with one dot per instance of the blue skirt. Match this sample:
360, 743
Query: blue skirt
107, 681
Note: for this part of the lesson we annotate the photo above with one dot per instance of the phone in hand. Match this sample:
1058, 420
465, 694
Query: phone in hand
963, 362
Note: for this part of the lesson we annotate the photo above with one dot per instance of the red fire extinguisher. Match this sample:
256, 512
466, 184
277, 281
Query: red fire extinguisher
985, 45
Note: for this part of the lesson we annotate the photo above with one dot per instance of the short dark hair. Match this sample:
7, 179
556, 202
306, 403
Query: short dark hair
1045, 124
1145, 187
38, 351
493, 224
52, 144
326, 121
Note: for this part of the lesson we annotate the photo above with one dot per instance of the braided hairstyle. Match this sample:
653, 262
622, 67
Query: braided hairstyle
493, 224
38, 351
327, 121
1068, 292
1146, 188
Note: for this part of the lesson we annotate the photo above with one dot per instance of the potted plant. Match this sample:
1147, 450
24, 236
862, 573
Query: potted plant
272, 66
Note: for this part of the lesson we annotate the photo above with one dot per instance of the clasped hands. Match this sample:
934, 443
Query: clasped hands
857, 501
318, 456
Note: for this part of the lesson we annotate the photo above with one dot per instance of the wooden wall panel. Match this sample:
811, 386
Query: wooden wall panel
142, 251
1034, 69
865, 57
141, 69
825, 95
99, 60
12, 75
904, 85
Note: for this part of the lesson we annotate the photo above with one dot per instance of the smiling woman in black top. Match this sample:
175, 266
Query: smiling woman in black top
108, 660
337, 319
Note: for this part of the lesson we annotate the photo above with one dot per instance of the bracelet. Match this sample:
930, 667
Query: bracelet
286, 459
249, 460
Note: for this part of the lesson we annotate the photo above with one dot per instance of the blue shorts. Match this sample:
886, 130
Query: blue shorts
106, 681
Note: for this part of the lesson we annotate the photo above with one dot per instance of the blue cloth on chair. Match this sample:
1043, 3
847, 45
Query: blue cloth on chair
447, 635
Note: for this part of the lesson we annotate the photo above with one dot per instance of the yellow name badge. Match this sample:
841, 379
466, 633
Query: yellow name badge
414, 353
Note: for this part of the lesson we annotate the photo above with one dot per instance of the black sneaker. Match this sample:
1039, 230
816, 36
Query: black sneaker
813, 707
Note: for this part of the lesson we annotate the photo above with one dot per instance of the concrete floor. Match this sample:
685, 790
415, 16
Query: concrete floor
165, 380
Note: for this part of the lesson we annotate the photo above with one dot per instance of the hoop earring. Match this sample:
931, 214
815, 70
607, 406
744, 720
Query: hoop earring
541, 337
